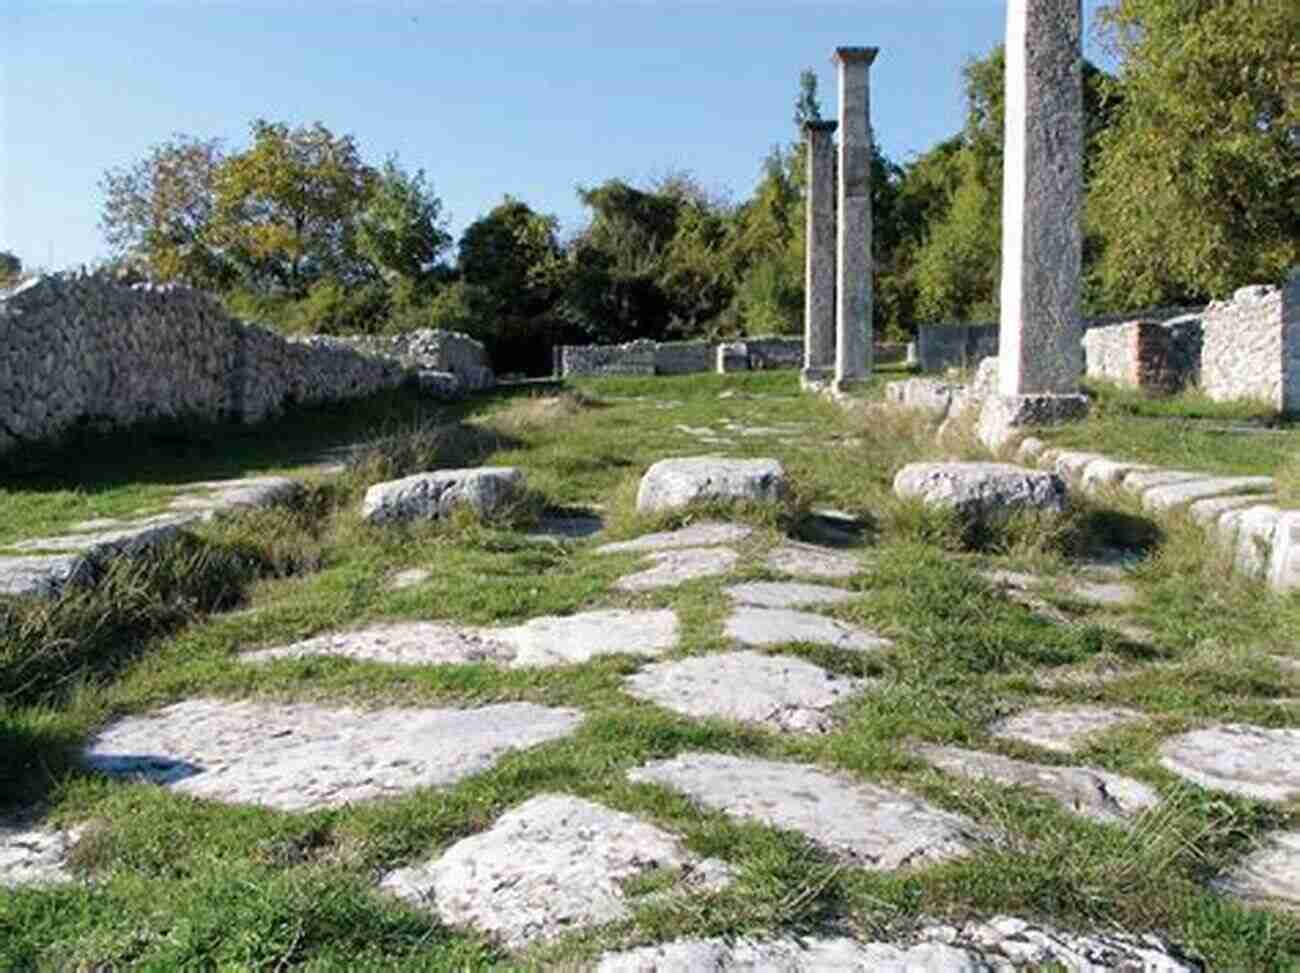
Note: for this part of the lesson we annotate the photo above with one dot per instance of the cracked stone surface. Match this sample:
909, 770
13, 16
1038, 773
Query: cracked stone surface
674, 483
549, 866
778, 692
1269, 876
777, 626
981, 490
866, 825
301, 756
219, 496
132, 538
41, 576
34, 855
679, 566
1000, 945
543, 641
1065, 729
1252, 761
786, 594
696, 535
812, 561
1095, 794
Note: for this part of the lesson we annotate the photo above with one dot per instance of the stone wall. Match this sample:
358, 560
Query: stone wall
433, 351
1135, 353
633, 358
85, 348
1251, 346
674, 357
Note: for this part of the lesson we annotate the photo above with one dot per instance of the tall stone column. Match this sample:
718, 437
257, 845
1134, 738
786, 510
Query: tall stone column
819, 258
1040, 355
853, 242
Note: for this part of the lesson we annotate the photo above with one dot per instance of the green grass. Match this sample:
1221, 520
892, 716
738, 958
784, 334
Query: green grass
182, 883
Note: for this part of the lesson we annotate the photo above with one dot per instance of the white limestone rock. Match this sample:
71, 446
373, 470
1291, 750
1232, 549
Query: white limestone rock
572, 639
777, 692
981, 490
1095, 794
679, 566
428, 496
132, 539
216, 497
302, 756
696, 535
1270, 875
671, 484
811, 561
863, 824
1251, 761
42, 576
786, 594
398, 643
552, 865
34, 855
1284, 565
1172, 495
765, 627
1064, 729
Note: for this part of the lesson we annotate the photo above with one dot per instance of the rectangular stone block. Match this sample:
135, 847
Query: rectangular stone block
1284, 566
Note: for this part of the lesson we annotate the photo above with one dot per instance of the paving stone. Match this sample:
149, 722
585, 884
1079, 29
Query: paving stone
679, 566
254, 492
548, 640
409, 578
42, 576
1141, 480
1102, 474
981, 490
1207, 512
778, 692
302, 756
864, 824
1287, 663
97, 523
1000, 945
696, 535
550, 866
134, 538
1070, 464
811, 561
1098, 671
1109, 594
1269, 876
1173, 495
32, 855
671, 484
1062, 729
786, 594
571, 639
1248, 760
1095, 794
777, 626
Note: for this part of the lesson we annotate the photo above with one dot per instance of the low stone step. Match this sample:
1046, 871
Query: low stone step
863, 824
552, 865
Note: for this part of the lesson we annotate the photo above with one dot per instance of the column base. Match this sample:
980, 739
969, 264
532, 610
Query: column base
816, 379
847, 384
1005, 418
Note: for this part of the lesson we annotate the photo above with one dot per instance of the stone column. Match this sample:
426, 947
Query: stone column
819, 258
853, 240
1040, 355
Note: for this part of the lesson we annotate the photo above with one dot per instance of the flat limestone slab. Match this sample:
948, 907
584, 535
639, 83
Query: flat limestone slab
778, 626
1062, 729
1101, 474
131, 538
548, 640
551, 865
869, 826
34, 855
1095, 794
41, 576
301, 756
671, 484
1108, 594
1248, 760
696, 535
811, 561
786, 594
253, 492
1173, 495
679, 566
1144, 479
409, 578
778, 692
998, 945
1269, 876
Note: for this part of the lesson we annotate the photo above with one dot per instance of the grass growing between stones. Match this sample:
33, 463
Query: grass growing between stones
181, 882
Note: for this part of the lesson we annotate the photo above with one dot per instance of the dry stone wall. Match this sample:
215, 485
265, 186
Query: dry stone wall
82, 348
1251, 346
1135, 353
674, 357
434, 351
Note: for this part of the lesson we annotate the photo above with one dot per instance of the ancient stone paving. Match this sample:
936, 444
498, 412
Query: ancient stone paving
679, 566
550, 866
1269, 876
34, 855
786, 594
695, 535
864, 824
409, 578
1063, 729
1095, 794
1251, 761
808, 560
765, 627
545, 641
773, 691
301, 756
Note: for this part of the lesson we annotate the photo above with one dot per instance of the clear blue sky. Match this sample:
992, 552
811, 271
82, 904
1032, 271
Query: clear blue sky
526, 98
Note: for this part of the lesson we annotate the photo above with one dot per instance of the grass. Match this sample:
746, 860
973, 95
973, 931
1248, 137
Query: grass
180, 882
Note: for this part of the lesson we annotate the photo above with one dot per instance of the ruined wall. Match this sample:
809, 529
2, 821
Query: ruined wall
1135, 353
435, 351
1251, 346
84, 348
633, 358
674, 357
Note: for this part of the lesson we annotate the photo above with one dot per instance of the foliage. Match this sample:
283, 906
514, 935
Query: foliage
11, 268
1198, 180
400, 229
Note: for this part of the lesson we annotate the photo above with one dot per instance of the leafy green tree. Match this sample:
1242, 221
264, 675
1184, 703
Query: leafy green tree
807, 107
157, 212
286, 207
1197, 183
513, 255
400, 228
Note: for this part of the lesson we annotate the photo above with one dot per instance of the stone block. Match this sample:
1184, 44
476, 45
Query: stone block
1284, 566
982, 490
487, 490
1004, 417
733, 357
671, 484
1172, 495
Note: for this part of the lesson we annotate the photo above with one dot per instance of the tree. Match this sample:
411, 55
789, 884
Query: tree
286, 207
400, 229
1197, 182
512, 254
157, 211
11, 268
807, 107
